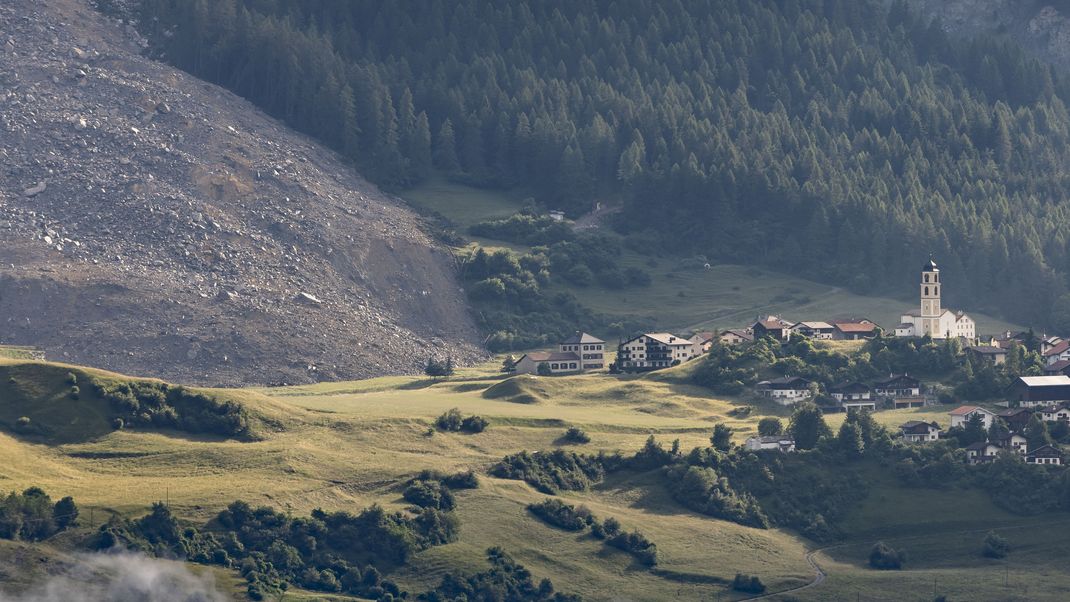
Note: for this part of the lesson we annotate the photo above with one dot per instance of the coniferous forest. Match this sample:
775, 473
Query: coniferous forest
838, 139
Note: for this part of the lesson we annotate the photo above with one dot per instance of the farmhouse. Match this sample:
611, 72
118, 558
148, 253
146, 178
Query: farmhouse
1057, 353
736, 336
916, 431
1045, 454
897, 386
850, 391
654, 350
1058, 368
981, 452
1016, 418
786, 390
814, 330
781, 443
932, 320
1013, 442
592, 350
853, 330
702, 342
1031, 391
1055, 413
558, 362
1047, 342
961, 415
988, 353
771, 326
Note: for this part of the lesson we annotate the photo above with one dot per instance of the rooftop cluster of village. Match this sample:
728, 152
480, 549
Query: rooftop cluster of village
1045, 397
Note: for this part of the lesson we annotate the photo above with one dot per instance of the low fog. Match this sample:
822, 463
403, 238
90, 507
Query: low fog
123, 577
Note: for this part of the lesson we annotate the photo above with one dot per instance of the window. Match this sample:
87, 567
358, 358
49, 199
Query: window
553, 366
926, 291
572, 365
926, 278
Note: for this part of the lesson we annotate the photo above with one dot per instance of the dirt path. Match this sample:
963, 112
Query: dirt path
820, 574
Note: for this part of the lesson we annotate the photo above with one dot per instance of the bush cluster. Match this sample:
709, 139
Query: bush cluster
558, 470
560, 514
31, 515
161, 405
506, 580
636, 544
329, 552
750, 584
576, 435
454, 421
886, 558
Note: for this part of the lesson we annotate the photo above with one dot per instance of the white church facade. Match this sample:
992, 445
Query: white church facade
932, 319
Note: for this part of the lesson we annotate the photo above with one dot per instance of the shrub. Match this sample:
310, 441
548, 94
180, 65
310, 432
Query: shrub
461, 480
770, 426
23, 423
118, 424
576, 435
885, 558
543, 369
74, 393
995, 546
637, 545
429, 494
560, 514
750, 584
450, 421
453, 421
474, 424
72, 378
557, 470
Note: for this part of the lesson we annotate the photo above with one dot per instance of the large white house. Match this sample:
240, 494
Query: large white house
932, 319
655, 350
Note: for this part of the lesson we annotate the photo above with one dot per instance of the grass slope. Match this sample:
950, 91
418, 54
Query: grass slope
686, 299
347, 445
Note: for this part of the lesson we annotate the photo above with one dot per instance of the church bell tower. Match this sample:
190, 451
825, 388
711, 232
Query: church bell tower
930, 299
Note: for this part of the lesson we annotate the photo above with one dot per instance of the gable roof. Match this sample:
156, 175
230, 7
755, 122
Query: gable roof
786, 382
739, 332
1047, 451
1058, 366
855, 326
988, 350
772, 323
894, 377
814, 325
1060, 380
667, 338
918, 427
1057, 349
966, 410
581, 338
551, 356
852, 385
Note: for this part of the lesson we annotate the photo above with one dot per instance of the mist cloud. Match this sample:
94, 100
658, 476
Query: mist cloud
123, 577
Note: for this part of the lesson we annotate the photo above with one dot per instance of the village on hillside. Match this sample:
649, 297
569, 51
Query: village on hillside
986, 433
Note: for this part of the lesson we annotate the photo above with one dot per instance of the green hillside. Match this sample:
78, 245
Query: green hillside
348, 445
841, 140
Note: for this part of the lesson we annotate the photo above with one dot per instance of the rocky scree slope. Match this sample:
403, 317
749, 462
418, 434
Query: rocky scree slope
156, 225
1042, 27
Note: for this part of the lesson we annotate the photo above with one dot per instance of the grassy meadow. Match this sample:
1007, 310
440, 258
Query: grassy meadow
684, 298
348, 445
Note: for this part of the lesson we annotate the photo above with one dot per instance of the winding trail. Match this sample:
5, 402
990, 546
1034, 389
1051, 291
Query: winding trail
820, 574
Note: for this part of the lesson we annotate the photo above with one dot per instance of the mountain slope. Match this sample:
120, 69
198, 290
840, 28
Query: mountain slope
155, 224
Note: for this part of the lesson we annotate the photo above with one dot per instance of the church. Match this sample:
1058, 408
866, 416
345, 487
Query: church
932, 319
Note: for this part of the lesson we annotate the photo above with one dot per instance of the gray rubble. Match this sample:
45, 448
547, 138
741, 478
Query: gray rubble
154, 224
